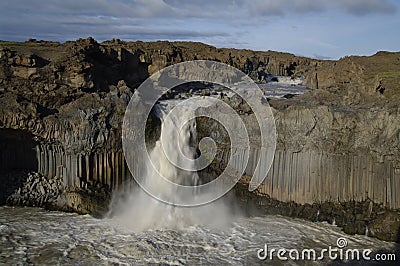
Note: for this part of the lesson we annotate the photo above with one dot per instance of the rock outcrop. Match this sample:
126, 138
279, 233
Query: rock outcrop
61, 110
367, 81
38, 191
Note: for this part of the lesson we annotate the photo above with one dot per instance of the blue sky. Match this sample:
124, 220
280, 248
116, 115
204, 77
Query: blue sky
313, 28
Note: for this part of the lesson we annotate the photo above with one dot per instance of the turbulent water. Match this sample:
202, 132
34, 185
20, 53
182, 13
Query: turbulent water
29, 235
284, 86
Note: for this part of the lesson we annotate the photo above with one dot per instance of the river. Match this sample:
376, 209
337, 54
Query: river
37, 236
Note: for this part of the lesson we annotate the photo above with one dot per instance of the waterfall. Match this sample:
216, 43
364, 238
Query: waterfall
169, 157
173, 158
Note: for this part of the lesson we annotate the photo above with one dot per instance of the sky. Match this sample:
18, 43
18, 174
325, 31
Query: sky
324, 29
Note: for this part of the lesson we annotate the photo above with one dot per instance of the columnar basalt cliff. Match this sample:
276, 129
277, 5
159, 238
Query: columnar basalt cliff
325, 158
61, 110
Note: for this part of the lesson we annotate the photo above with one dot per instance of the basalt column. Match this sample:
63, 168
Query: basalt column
80, 170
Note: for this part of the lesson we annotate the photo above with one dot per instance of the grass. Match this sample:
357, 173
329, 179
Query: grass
389, 74
10, 43
49, 50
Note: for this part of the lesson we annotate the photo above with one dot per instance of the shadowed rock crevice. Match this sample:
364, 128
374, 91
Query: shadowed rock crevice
17, 150
17, 156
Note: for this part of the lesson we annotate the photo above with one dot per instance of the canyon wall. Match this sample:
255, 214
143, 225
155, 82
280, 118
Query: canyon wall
71, 98
61, 110
339, 165
323, 154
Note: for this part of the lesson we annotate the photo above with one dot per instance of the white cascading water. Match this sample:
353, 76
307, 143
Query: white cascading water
141, 211
166, 148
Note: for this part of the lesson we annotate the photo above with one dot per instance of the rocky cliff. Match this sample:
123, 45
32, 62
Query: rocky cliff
61, 109
329, 165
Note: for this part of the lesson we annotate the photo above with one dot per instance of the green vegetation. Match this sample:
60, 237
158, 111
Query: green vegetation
389, 74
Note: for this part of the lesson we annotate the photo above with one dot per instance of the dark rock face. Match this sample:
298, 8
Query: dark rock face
325, 158
71, 99
354, 217
61, 110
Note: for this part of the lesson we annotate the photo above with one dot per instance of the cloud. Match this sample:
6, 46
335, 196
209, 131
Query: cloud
244, 8
364, 7
219, 22
321, 57
61, 20
158, 9
287, 7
